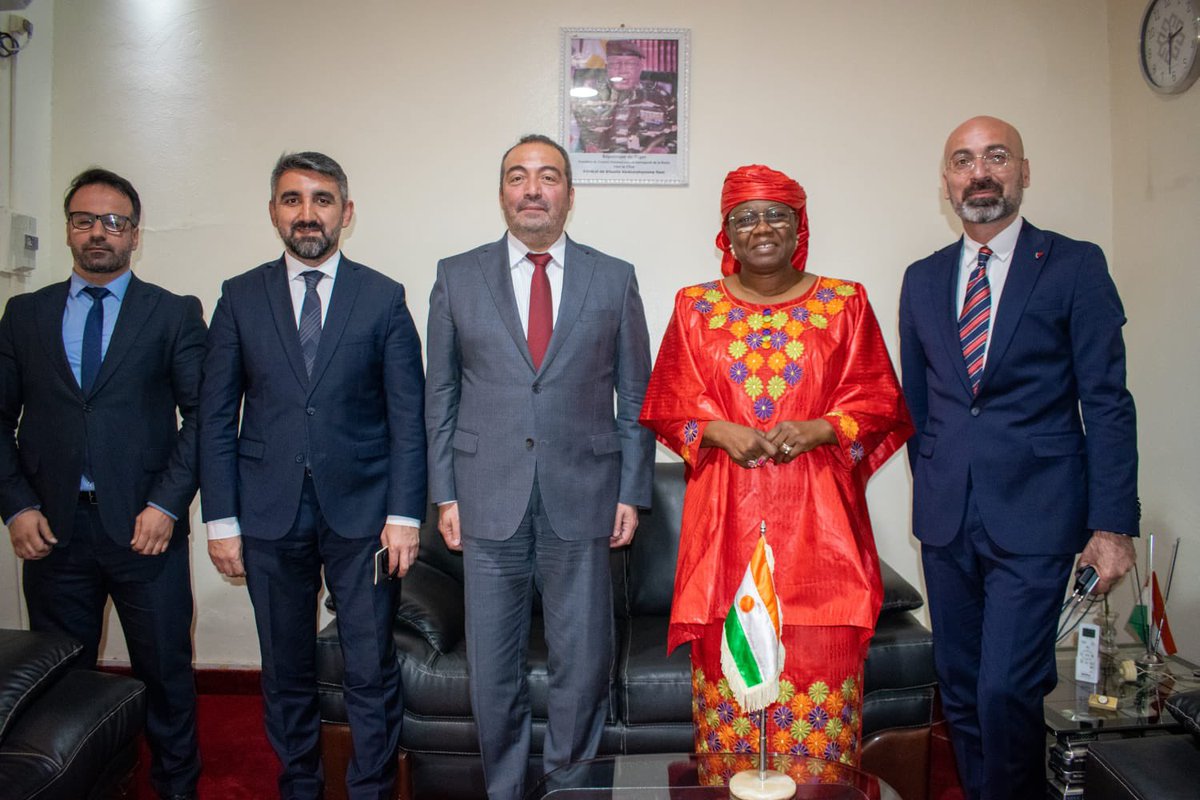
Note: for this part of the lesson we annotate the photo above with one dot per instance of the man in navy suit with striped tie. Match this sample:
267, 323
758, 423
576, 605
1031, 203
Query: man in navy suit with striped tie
1025, 453
312, 458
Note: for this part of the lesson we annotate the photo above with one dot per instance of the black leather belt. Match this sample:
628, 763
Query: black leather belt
88, 498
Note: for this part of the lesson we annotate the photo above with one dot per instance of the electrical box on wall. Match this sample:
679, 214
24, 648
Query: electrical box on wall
18, 243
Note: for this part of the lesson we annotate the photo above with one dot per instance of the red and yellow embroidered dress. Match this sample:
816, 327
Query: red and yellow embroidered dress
819, 356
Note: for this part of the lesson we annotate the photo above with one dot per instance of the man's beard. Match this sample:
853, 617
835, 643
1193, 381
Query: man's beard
540, 225
102, 263
988, 209
309, 246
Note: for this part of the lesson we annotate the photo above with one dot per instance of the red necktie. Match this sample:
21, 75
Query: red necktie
541, 308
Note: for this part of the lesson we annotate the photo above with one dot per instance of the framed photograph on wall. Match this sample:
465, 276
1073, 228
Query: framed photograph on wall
624, 104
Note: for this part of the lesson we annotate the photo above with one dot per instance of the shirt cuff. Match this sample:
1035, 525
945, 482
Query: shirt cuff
394, 519
8, 522
160, 508
226, 528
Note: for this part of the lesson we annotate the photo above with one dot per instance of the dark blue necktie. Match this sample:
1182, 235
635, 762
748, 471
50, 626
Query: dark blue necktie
93, 339
310, 319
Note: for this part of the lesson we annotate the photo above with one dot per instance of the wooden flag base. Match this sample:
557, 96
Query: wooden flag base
750, 784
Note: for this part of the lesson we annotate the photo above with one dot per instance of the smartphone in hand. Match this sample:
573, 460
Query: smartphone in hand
381, 566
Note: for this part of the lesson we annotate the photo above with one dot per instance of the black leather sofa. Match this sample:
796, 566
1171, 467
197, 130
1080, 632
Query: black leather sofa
1164, 767
65, 734
651, 692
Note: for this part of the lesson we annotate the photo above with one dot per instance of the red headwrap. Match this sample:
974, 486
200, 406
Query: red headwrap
756, 182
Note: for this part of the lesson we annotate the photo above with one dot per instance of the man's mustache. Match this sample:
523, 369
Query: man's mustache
524, 204
984, 185
298, 227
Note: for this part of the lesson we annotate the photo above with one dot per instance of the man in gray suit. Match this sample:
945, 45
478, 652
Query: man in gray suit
534, 476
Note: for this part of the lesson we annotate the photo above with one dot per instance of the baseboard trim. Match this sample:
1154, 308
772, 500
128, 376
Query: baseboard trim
211, 680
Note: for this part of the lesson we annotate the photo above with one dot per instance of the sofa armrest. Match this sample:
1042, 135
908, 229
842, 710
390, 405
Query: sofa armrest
898, 594
432, 605
1185, 707
29, 662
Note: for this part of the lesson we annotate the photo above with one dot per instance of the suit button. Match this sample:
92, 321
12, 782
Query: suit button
537, 388
310, 411
87, 408
974, 411
300, 458
529, 444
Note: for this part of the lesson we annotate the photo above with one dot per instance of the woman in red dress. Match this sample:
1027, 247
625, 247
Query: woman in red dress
775, 387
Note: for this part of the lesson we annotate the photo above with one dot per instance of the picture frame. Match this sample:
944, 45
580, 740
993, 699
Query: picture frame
619, 135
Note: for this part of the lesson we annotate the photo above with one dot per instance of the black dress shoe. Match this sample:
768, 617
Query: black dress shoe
179, 796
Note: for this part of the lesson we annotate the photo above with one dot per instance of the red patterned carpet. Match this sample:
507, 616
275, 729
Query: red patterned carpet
238, 762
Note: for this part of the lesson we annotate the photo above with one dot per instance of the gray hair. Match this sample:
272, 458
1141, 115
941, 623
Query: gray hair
311, 161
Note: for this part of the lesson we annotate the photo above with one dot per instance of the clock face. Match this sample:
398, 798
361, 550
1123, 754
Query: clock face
1170, 39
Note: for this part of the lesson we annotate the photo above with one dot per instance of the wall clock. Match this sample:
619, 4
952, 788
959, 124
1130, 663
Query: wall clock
1169, 45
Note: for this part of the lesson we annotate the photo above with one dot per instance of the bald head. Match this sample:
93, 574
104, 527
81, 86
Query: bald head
978, 134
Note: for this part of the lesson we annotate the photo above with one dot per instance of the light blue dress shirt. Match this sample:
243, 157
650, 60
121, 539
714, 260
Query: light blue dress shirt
79, 303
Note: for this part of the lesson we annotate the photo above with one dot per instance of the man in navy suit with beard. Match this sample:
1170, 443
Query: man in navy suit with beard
1025, 453
312, 458
96, 484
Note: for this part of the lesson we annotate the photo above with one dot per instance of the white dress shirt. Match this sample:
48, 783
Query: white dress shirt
1002, 245
229, 527
522, 275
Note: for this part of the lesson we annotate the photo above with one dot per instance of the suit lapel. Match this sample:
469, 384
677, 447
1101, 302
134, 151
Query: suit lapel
136, 308
577, 277
341, 301
497, 274
279, 298
50, 326
943, 291
1028, 257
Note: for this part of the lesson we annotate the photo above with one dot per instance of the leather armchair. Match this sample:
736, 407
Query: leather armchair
1155, 767
650, 700
65, 733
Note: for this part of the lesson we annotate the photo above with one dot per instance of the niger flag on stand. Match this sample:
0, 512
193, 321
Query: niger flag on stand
752, 647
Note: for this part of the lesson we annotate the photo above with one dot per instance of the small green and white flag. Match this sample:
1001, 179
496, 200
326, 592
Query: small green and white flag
752, 653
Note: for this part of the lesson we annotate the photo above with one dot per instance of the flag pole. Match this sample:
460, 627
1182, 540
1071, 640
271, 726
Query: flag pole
1151, 661
763, 783
762, 713
1166, 597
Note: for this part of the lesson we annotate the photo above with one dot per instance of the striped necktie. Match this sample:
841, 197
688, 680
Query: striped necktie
310, 318
975, 319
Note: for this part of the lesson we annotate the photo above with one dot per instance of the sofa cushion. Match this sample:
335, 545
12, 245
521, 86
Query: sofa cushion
29, 662
898, 594
1185, 707
656, 688
1150, 768
655, 547
431, 604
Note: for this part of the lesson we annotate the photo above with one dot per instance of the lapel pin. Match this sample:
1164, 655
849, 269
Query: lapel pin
1038, 254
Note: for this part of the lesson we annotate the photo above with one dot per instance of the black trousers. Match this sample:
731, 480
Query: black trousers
67, 591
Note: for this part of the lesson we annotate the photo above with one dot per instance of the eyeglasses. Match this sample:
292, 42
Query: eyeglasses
113, 223
775, 216
993, 161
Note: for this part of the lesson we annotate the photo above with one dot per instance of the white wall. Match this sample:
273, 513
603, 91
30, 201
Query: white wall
1156, 256
194, 99
25, 188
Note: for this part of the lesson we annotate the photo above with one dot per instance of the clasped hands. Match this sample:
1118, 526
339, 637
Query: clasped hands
750, 447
